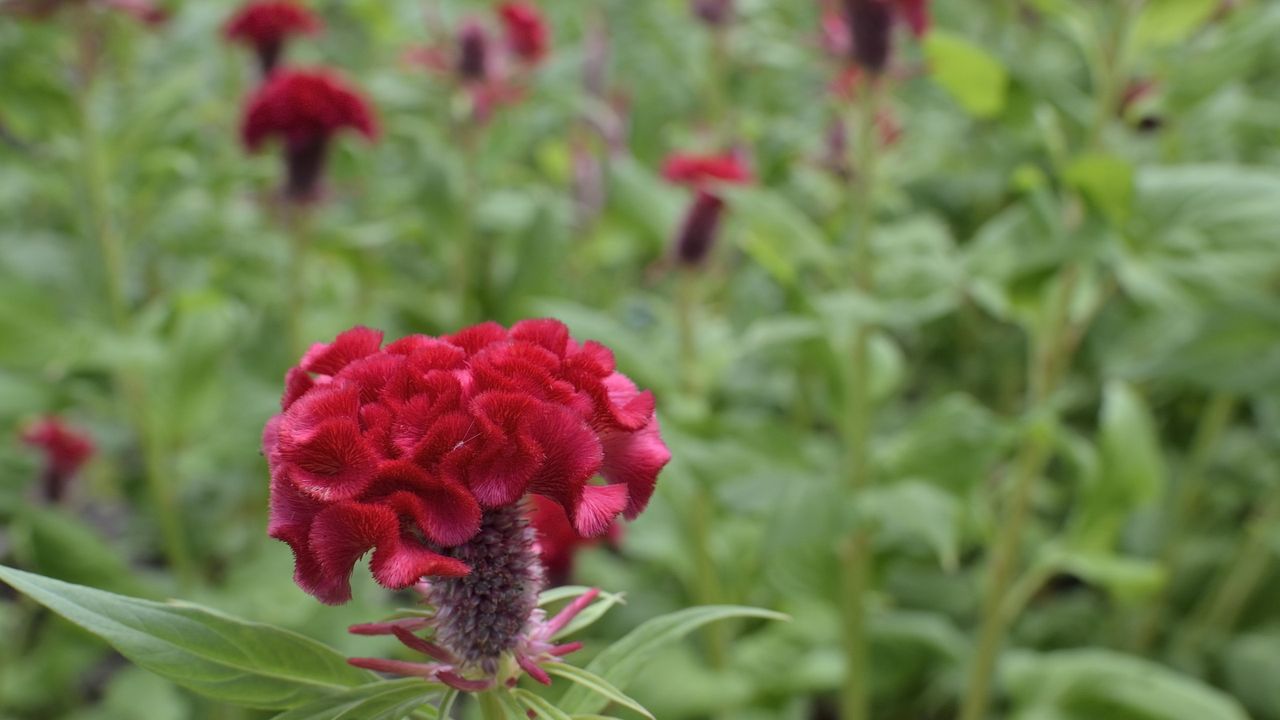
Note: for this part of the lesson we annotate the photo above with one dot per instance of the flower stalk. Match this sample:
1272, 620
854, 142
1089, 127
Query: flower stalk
855, 549
1186, 502
132, 387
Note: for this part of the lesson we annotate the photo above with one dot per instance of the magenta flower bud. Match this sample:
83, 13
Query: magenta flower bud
870, 26
698, 232
473, 52
716, 13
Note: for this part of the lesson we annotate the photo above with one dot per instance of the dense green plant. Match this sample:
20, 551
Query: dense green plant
990, 411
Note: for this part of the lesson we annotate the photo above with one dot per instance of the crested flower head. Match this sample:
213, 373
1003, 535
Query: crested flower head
558, 541
700, 170
304, 109
526, 30
697, 232
405, 449
267, 24
65, 451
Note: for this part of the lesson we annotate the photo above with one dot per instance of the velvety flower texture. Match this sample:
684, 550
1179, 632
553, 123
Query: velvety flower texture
701, 224
305, 109
401, 449
526, 31
267, 24
65, 451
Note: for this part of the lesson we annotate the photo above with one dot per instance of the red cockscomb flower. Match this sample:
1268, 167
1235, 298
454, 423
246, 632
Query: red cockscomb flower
526, 30
558, 541
65, 451
267, 24
701, 223
404, 449
304, 109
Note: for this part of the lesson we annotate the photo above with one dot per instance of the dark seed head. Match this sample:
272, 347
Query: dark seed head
481, 616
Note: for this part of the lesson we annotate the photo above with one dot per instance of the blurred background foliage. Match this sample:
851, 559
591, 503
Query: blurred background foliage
1150, 586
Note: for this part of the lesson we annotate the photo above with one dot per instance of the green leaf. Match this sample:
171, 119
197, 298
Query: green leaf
1106, 181
588, 616
620, 661
1132, 469
1167, 22
67, 549
778, 235
1107, 685
242, 663
597, 685
973, 76
382, 700
914, 511
541, 707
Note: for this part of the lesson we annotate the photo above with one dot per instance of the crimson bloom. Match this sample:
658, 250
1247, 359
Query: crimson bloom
304, 109
267, 24
526, 30
404, 449
558, 541
702, 173
65, 451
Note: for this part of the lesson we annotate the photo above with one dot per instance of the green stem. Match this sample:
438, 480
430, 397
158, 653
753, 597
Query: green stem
1213, 422
687, 331
490, 706
995, 619
296, 227
1220, 610
708, 585
997, 613
855, 549
132, 387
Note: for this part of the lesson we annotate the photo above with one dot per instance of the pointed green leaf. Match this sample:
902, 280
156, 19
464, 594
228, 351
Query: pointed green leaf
390, 700
540, 706
620, 661
973, 76
597, 685
238, 662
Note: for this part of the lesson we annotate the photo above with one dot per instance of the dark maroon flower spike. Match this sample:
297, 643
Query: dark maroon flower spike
65, 451
701, 224
715, 13
144, 11
304, 109
867, 36
267, 25
423, 451
559, 542
475, 53
527, 34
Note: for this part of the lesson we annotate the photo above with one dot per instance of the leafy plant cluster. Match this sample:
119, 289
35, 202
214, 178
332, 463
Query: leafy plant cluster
1064, 373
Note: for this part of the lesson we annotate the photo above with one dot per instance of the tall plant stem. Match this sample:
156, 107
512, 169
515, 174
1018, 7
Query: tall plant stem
132, 387
855, 549
1215, 419
472, 271
296, 221
1046, 366
1221, 609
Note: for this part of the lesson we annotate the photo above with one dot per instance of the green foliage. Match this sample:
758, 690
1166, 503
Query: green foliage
240, 662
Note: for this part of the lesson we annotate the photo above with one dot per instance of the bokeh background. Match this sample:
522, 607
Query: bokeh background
1102, 173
